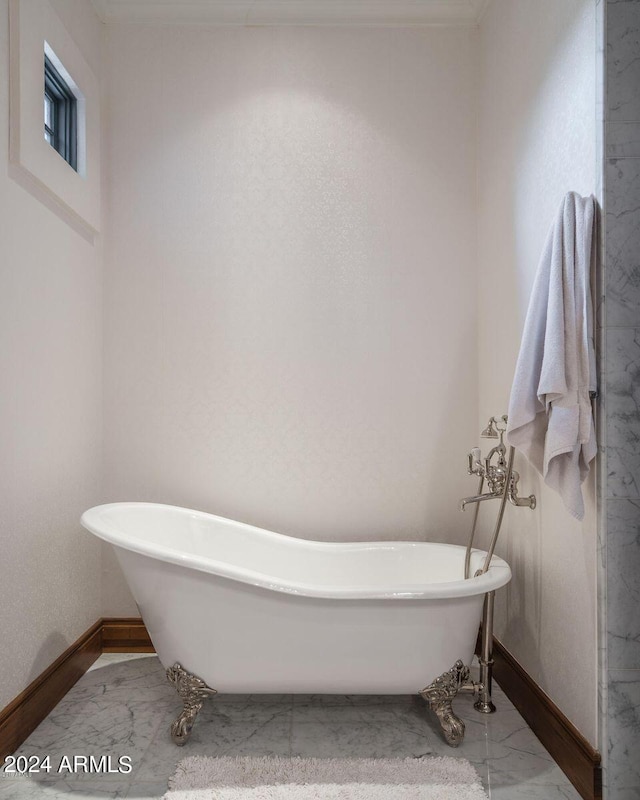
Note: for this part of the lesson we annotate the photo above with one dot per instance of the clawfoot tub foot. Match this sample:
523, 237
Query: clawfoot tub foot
440, 694
192, 691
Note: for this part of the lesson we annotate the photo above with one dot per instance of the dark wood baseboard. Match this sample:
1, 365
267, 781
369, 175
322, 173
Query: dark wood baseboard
125, 635
30, 707
579, 761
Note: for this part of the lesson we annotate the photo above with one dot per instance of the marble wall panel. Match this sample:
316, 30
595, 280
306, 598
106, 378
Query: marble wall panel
623, 65
622, 248
623, 140
620, 489
623, 583
623, 757
622, 389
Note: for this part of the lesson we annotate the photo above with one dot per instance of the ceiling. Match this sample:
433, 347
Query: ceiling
294, 12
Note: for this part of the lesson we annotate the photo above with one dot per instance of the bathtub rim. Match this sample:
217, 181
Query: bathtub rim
498, 575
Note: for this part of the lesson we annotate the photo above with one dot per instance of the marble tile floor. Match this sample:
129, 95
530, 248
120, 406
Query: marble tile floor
123, 706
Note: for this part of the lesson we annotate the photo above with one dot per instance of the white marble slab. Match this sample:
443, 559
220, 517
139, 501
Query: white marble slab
623, 412
619, 691
623, 140
623, 762
623, 63
622, 247
623, 583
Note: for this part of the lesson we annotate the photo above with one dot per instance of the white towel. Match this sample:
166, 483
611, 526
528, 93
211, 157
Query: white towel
550, 414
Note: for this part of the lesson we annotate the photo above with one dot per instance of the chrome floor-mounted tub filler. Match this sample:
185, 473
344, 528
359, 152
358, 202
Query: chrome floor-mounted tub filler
232, 608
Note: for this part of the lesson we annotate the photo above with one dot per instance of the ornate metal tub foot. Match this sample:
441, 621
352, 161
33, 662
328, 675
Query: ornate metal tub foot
441, 693
193, 691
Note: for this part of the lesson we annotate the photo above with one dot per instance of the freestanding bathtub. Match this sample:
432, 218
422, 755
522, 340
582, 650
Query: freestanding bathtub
251, 611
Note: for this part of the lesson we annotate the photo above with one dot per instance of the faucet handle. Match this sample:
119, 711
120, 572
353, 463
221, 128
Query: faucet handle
475, 465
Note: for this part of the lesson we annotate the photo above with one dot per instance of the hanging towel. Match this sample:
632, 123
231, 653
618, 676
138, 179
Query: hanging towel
550, 414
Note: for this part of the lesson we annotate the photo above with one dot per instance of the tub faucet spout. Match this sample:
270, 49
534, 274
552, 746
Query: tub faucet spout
478, 498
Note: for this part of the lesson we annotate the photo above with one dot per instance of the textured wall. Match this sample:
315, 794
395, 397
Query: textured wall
621, 337
537, 141
50, 411
290, 298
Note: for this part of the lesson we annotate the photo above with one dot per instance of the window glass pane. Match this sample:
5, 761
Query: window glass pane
48, 111
60, 116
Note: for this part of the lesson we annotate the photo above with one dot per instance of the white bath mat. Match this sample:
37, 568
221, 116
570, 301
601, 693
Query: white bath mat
272, 778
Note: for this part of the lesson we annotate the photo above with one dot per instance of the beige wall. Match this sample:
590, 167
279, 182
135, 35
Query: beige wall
291, 290
292, 334
537, 140
50, 409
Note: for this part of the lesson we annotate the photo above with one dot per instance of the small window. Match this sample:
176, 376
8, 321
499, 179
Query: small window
60, 115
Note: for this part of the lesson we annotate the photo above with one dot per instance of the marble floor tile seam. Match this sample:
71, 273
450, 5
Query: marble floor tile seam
428, 734
258, 699
347, 715
354, 700
152, 740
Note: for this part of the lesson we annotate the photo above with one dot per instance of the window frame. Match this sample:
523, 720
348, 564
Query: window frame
64, 129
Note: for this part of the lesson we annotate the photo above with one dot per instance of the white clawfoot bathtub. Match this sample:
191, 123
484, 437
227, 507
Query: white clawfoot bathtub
251, 611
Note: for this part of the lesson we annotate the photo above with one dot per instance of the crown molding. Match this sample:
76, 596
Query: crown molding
394, 13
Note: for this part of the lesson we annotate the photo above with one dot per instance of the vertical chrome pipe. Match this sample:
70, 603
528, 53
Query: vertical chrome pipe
483, 704
467, 557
